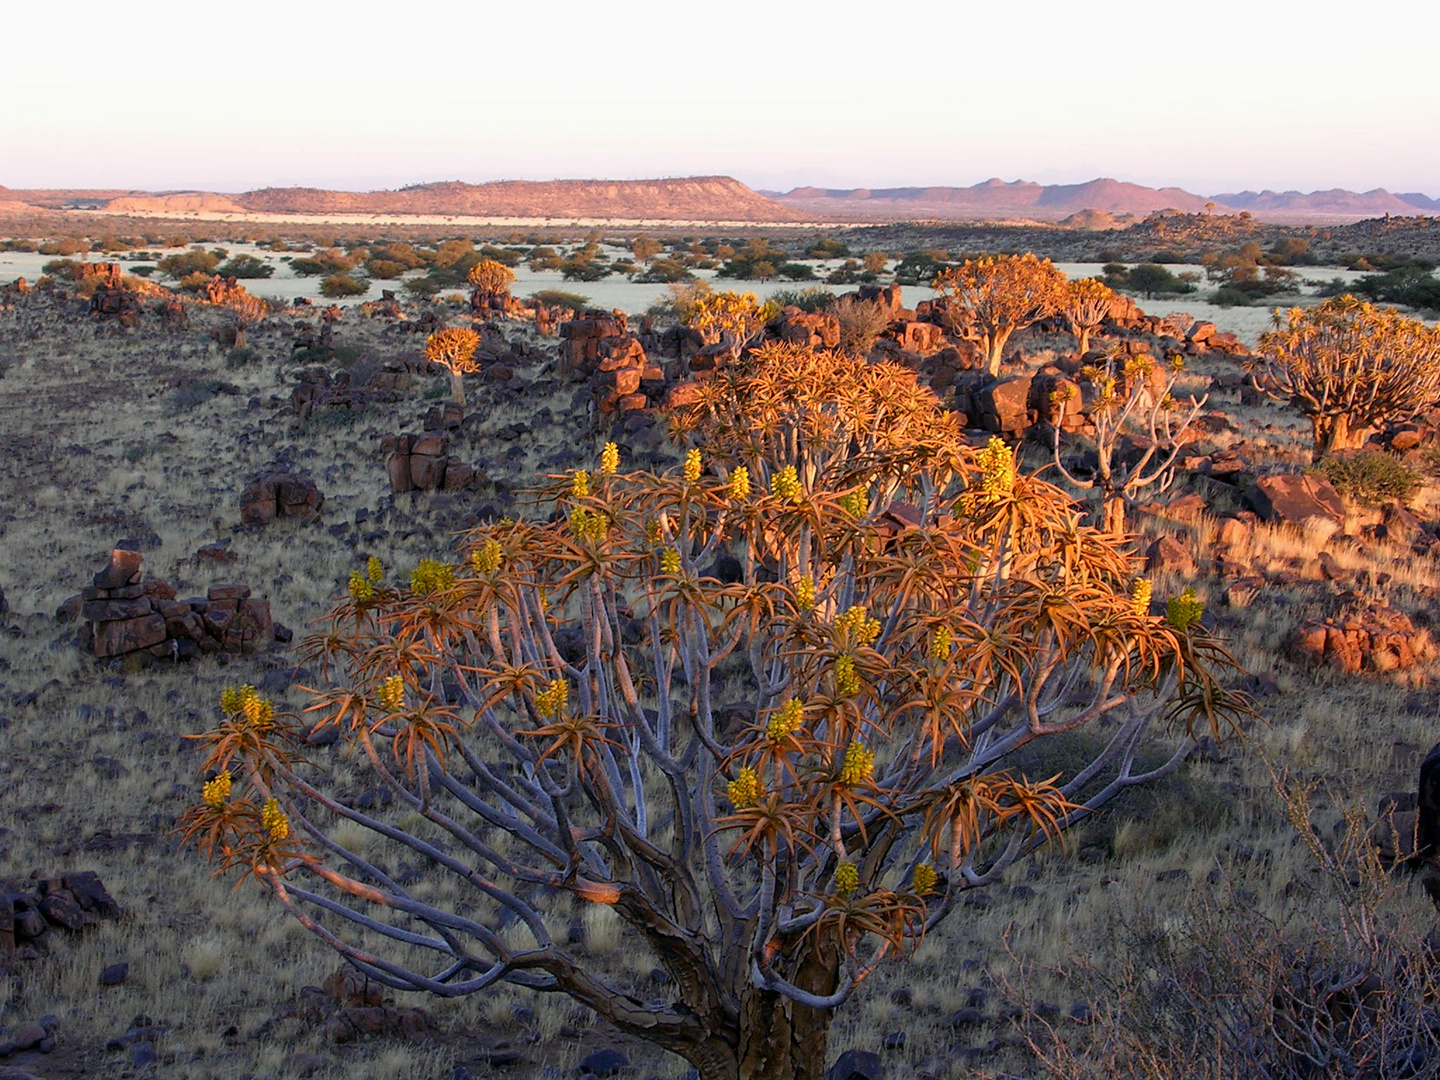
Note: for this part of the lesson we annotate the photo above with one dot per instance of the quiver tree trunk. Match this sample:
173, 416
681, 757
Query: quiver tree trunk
781, 1039
1114, 514
995, 350
457, 388
1334, 433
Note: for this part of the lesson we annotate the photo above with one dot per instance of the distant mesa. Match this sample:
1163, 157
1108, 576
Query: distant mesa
700, 198
180, 201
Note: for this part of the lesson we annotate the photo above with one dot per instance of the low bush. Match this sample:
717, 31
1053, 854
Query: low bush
341, 285
1371, 477
1228, 296
815, 298
186, 263
245, 266
560, 298
189, 396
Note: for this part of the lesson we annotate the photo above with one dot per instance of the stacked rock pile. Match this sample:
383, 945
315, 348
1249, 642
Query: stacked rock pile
423, 463
599, 347
126, 614
30, 910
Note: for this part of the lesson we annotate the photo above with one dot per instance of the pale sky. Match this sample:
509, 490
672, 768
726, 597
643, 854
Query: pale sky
1213, 96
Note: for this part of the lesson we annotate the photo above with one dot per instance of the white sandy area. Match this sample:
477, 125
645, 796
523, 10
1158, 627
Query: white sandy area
618, 292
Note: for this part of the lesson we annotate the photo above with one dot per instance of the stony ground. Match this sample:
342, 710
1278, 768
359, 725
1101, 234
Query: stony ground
147, 437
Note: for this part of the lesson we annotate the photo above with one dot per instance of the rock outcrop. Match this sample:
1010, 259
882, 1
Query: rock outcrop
125, 614
423, 463
280, 495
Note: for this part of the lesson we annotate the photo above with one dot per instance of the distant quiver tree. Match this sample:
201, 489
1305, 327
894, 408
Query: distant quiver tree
993, 296
1350, 367
453, 348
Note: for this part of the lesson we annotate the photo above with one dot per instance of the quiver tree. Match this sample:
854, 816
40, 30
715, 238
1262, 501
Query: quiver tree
730, 319
246, 310
1085, 305
453, 348
1350, 367
491, 278
546, 713
991, 297
1139, 430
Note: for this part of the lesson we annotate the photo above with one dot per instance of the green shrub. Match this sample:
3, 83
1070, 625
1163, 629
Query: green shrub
815, 298
64, 247
337, 419
187, 263
340, 285
245, 266
1228, 296
385, 268
1370, 477
191, 395
238, 358
560, 298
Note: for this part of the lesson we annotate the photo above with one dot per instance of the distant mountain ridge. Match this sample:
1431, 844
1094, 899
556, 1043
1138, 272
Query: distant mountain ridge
1101, 203
693, 198
995, 198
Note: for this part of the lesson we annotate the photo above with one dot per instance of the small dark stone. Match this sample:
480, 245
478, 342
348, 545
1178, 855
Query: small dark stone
114, 975
142, 1054
966, 1017
857, 1065
605, 1062
894, 1041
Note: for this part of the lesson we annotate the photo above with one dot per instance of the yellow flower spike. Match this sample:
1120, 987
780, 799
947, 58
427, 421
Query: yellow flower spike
855, 503
859, 765
652, 533
361, 590
805, 594
256, 709
580, 484
274, 820
942, 643
745, 790
1184, 611
739, 483
609, 459
670, 561
431, 576
374, 570
847, 683
230, 701
854, 625
785, 721
486, 559
785, 484
216, 791
847, 879
1140, 596
923, 879
693, 466
392, 693
552, 700
997, 470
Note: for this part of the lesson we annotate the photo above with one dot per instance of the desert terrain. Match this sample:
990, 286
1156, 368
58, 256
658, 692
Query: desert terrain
147, 415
